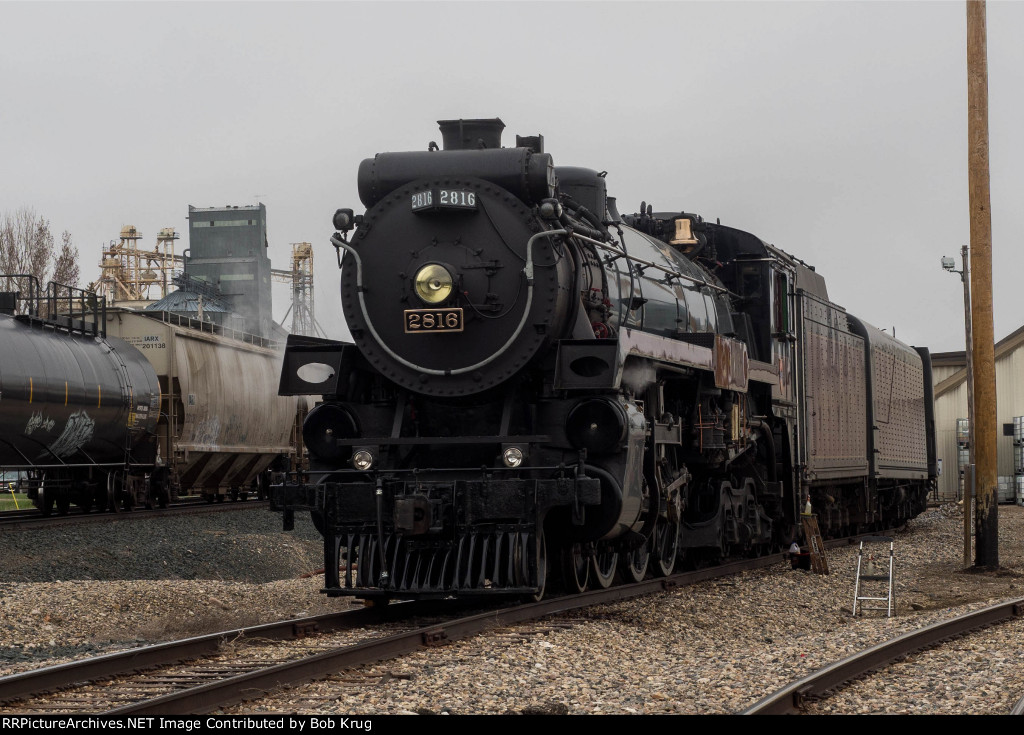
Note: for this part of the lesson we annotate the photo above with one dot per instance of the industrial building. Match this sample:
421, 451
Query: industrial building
228, 249
949, 370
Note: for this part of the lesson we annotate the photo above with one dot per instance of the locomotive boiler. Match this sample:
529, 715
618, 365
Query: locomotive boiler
541, 390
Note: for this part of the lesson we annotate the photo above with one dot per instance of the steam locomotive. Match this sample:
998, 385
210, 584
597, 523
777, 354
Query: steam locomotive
541, 391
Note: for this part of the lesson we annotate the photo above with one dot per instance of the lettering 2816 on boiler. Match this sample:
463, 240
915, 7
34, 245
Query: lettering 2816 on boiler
432, 199
432, 321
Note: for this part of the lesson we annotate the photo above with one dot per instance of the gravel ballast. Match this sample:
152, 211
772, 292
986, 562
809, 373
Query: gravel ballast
715, 647
80, 589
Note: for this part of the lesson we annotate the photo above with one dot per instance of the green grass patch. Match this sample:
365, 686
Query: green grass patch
9, 501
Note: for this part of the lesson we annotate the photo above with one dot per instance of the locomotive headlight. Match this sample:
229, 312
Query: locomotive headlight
433, 283
512, 457
362, 459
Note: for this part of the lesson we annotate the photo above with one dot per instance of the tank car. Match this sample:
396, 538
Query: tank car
78, 408
539, 389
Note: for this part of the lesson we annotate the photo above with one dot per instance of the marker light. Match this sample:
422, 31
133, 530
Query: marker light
362, 460
512, 457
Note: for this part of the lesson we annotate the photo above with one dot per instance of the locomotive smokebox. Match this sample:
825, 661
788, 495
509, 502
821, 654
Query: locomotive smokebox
460, 135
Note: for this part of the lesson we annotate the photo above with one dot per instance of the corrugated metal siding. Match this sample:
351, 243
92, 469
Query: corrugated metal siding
952, 405
942, 372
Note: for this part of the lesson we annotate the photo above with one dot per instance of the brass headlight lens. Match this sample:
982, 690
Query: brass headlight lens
433, 283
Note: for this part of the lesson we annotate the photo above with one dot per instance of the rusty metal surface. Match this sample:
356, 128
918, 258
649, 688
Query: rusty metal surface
731, 364
634, 343
788, 699
728, 358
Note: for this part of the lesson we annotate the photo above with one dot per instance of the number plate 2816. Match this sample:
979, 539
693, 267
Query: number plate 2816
432, 321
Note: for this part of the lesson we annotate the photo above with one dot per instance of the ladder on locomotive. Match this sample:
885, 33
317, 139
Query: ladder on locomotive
870, 572
815, 544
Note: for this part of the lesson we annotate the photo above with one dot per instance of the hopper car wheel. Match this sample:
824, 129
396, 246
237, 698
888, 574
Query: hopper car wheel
63, 502
209, 497
44, 497
602, 569
234, 495
220, 497
575, 569
634, 563
113, 501
99, 498
664, 547
243, 496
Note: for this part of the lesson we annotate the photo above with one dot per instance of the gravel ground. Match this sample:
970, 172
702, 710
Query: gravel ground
74, 590
716, 647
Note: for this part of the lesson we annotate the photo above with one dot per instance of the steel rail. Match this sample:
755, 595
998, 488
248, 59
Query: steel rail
226, 692
31, 519
52, 678
245, 686
1018, 709
790, 698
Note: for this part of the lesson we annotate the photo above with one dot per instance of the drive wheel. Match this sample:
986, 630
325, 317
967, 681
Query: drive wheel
603, 568
664, 547
575, 569
634, 563
539, 549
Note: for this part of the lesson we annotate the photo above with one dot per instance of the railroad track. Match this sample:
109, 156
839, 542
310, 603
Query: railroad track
32, 518
796, 697
203, 674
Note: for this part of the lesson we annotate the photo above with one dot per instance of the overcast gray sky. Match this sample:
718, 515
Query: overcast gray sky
834, 130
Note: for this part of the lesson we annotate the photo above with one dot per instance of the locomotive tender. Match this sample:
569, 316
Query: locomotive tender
540, 388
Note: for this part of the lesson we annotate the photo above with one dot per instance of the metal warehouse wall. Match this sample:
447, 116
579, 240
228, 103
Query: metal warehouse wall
951, 404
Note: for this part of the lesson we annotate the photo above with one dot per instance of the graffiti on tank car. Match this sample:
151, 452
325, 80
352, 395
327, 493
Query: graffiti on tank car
77, 432
38, 422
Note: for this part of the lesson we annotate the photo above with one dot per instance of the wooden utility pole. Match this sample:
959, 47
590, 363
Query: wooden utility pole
986, 520
965, 276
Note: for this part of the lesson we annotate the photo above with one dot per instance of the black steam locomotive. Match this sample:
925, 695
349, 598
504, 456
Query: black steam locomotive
539, 387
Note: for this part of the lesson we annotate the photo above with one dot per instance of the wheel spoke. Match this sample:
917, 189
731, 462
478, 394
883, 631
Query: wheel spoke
665, 547
575, 569
603, 568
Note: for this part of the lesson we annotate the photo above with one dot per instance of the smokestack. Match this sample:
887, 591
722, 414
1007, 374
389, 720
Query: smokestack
471, 134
